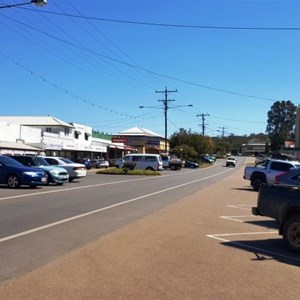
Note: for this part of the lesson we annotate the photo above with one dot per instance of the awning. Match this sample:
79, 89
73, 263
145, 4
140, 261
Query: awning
18, 146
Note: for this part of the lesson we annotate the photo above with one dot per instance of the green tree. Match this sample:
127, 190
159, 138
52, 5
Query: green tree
281, 119
196, 142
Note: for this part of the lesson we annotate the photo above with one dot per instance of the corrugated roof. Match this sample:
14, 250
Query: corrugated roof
18, 146
138, 131
35, 121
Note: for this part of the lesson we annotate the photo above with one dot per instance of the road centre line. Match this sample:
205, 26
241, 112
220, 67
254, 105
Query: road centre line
27, 232
255, 249
97, 185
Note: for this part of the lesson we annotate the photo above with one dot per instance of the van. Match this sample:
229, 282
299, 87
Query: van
143, 161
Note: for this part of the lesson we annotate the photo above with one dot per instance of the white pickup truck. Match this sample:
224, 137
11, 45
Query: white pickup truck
266, 171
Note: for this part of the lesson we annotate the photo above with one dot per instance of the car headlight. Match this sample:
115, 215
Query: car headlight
32, 174
54, 172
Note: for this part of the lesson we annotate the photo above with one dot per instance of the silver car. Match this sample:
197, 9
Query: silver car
290, 178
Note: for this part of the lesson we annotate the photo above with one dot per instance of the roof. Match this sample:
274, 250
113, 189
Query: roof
138, 131
17, 146
35, 121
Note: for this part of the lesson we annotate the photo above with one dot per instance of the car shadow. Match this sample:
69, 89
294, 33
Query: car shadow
21, 187
269, 249
270, 224
247, 189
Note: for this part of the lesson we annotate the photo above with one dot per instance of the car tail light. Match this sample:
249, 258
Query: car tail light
276, 179
79, 168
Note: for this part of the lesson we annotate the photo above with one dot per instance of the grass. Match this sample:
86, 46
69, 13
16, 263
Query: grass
120, 171
125, 171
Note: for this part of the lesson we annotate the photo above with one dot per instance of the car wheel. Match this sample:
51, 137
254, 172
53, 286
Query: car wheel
256, 182
291, 233
150, 169
71, 179
13, 181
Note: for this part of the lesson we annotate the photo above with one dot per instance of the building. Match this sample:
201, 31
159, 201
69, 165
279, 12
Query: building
50, 136
253, 147
141, 140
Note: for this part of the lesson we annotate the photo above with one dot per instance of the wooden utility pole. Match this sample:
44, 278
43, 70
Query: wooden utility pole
166, 107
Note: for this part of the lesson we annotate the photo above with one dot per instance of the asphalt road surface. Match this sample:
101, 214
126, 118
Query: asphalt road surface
187, 234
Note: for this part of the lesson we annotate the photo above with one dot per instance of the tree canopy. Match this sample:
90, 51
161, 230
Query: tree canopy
280, 123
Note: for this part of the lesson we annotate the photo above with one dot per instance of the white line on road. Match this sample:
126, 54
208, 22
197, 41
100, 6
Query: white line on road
27, 232
255, 249
236, 218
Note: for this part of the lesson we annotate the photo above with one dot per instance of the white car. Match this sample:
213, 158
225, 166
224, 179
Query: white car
230, 162
75, 170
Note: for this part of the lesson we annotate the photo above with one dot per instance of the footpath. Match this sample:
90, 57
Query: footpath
166, 255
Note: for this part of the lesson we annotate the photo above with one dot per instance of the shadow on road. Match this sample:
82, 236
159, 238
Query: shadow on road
269, 249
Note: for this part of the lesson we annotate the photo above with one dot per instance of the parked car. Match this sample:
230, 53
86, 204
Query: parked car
266, 171
208, 159
230, 162
191, 164
55, 174
289, 178
85, 161
166, 161
142, 161
14, 174
281, 203
99, 163
75, 170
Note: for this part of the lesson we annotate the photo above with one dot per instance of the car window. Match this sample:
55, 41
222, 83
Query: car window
65, 160
151, 158
10, 162
296, 177
280, 166
52, 161
39, 161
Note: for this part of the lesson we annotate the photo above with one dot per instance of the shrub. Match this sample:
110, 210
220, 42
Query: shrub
129, 165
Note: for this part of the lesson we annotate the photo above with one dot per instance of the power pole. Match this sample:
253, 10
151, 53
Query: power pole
166, 107
223, 131
203, 119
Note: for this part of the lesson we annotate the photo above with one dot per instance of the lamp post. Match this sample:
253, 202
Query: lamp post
36, 2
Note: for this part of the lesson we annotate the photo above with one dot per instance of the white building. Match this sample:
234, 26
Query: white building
49, 135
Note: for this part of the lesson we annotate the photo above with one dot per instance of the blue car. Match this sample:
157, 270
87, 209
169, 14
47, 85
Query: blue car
14, 174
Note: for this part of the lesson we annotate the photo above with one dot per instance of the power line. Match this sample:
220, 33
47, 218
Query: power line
141, 68
170, 25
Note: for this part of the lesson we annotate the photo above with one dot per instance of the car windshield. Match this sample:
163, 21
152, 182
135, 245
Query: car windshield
67, 161
40, 161
9, 162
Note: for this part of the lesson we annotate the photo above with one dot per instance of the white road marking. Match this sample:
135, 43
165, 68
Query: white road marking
256, 249
241, 206
236, 218
14, 236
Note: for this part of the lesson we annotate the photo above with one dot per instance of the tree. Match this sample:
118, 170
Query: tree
281, 119
196, 142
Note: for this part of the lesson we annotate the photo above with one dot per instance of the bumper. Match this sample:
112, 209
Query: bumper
61, 179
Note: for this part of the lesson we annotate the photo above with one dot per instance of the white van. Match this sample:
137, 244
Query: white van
143, 161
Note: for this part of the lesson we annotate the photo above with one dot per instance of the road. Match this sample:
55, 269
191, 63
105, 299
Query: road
183, 235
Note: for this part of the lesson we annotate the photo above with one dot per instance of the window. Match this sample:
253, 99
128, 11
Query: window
280, 166
150, 158
48, 129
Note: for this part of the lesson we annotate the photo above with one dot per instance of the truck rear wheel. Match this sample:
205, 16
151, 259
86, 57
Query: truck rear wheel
256, 182
291, 233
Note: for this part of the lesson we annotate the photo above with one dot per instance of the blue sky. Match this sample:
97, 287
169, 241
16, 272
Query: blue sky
96, 71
